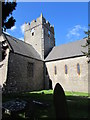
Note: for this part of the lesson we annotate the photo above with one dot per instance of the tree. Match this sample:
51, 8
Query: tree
87, 43
8, 20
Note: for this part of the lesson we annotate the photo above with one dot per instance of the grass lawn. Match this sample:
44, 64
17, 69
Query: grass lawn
77, 104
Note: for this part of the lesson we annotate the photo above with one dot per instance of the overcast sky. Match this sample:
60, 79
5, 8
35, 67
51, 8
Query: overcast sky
70, 19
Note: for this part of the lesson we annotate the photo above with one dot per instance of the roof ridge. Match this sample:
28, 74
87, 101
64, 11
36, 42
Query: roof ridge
70, 42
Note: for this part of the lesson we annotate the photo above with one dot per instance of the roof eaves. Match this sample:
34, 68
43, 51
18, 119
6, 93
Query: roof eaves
27, 56
49, 60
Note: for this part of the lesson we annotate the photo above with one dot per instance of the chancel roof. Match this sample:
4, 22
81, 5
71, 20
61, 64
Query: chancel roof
20, 47
69, 50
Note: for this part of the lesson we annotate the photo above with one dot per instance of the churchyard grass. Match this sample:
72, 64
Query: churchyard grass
75, 94
77, 104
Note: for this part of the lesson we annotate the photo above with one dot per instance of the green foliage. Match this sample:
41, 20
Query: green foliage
87, 42
8, 20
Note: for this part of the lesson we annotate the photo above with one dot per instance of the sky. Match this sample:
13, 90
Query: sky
70, 19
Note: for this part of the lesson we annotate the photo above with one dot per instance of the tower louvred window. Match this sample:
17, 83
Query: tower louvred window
48, 33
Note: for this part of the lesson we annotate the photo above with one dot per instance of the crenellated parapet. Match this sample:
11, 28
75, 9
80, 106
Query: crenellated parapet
39, 21
27, 26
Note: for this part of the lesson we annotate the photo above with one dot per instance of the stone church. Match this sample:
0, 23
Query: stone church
36, 63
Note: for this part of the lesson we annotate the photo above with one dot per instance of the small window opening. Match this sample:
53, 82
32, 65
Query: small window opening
48, 33
33, 34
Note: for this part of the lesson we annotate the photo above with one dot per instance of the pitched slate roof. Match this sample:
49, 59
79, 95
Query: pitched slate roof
20, 47
69, 50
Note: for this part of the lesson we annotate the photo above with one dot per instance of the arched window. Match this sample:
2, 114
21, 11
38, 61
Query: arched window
66, 69
55, 70
78, 68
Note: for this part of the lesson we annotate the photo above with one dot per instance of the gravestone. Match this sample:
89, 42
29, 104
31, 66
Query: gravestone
60, 103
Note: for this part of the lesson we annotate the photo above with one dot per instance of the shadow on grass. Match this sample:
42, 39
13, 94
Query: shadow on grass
78, 106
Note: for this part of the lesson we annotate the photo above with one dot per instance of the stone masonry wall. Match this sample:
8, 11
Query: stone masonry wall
71, 81
18, 79
34, 40
40, 40
49, 40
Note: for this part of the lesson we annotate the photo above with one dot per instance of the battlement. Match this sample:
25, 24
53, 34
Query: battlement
39, 21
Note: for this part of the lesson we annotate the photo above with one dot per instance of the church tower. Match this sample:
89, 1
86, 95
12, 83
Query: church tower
40, 34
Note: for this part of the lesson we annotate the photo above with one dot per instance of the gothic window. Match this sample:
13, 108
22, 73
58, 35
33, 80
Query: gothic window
55, 70
32, 32
78, 68
66, 69
30, 69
